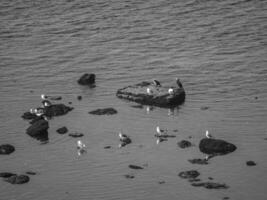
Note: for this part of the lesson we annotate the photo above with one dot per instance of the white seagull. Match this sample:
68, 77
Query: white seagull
148, 90
208, 135
160, 131
170, 91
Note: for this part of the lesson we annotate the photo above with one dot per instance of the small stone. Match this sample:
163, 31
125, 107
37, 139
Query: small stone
199, 161
104, 111
107, 147
210, 185
191, 174
75, 135
6, 174
79, 97
62, 130
129, 176
204, 108
184, 144
251, 163
31, 173
135, 167
161, 182
6, 149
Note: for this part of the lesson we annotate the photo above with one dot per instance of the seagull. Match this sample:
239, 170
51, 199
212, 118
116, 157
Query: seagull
179, 83
38, 111
80, 145
156, 83
208, 135
124, 138
170, 91
46, 103
148, 90
43, 96
160, 131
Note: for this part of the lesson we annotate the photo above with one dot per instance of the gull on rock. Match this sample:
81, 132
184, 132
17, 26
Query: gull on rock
171, 91
148, 90
208, 135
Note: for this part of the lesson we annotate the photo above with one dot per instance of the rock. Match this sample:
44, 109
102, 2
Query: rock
199, 161
104, 111
161, 182
18, 179
159, 97
194, 180
6, 149
75, 135
164, 135
138, 106
38, 130
216, 146
191, 174
57, 110
135, 167
28, 115
210, 185
6, 174
79, 97
129, 176
55, 98
204, 107
107, 147
251, 163
184, 144
87, 79
31, 173
62, 130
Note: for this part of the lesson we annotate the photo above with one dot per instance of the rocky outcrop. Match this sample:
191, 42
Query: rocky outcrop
62, 130
216, 146
210, 185
250, 163
56, 110
87, 79
135, 167
6, 149
198, 161
191, 174
104, 111
159, 95
76, 135
38, 130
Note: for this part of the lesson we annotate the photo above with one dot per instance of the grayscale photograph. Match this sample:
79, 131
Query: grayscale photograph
133, 99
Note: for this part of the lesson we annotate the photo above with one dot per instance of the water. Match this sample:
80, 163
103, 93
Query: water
217, 49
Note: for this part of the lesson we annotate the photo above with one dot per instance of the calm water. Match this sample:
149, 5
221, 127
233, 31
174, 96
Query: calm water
217, 49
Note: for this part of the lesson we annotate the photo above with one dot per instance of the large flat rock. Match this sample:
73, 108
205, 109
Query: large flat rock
159, 96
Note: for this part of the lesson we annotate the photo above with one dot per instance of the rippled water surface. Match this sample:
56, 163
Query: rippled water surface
217, 49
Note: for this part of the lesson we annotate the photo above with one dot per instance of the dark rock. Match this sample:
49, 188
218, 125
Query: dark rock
251, 163
6, 149
104, 111
159, 97
107, 147
191, 174
75, 135
129, 176
38, 130
161, 182
175, 130
6, 174
210, 178
216, 146
199, 161
204, 107
18, 179
184, 144
135, 167
55, 98
194, 180
28, 115
225, 198
210, 185
36, 119
164, 135
31, 173
79, 97
62, 130
137, 106
87, 79
70, 102
56, 110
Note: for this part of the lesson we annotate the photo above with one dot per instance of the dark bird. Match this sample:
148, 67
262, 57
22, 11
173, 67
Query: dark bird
156, 83
179, 83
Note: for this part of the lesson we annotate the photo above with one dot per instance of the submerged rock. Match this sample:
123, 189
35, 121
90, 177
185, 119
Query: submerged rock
210, 185
28, 115
135, 167
184, 144
191, 174
216, 146
251, 163
6, 149
104, 111
62, 130
159, 96
38, 130
6, 174
75, 135
129, 176
87, 79
198, 161
18, 179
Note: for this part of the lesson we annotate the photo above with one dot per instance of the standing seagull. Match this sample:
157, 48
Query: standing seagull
179, 83
156, 83
170, 91
160, 132
208, 135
